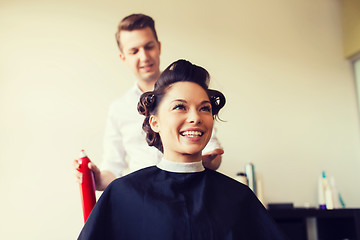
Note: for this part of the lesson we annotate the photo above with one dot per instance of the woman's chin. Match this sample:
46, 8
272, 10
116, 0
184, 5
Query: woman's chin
193, 152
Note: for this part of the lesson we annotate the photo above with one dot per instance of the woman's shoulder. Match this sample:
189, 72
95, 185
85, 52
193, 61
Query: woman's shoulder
130, 186
136, 177
222, 177
227, 184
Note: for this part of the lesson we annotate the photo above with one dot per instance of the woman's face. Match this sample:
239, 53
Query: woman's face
184, 121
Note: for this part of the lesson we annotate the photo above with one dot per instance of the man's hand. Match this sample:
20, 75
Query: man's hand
102, 178
212, 159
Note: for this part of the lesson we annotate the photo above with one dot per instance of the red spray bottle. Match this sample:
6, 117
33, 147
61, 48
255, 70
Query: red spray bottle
87, 186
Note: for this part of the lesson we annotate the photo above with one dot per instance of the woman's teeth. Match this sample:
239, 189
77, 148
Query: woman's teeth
192, 133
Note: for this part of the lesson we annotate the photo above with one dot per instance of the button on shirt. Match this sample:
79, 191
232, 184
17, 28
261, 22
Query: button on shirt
125, 146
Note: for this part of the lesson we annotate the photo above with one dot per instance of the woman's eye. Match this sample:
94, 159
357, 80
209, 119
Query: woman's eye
206, 109
179, 107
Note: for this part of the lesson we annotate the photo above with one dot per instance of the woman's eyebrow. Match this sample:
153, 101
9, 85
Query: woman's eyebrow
205, 101
179, 100
184, 101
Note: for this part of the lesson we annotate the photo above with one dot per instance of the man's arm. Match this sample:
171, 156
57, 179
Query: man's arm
114, 153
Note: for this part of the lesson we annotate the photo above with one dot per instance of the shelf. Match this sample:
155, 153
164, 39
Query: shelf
330, 224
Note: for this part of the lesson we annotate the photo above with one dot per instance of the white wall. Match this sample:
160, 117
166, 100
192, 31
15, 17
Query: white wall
291, 106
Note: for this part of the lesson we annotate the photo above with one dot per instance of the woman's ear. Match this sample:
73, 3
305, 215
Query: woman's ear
154, 123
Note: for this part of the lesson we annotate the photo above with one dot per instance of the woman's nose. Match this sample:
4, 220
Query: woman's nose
194, 117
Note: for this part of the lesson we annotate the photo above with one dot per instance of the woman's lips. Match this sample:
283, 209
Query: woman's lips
192, 135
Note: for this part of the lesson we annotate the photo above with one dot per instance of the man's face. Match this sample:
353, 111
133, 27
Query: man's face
141, 52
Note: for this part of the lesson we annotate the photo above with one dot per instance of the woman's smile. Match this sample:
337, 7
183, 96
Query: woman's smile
192, 135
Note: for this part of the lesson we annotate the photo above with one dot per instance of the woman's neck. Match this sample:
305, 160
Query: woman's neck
181, 157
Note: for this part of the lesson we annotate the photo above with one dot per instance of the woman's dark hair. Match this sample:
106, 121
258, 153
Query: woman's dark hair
179, 71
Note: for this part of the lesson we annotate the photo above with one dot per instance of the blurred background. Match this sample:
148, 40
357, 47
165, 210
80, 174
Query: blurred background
284, 66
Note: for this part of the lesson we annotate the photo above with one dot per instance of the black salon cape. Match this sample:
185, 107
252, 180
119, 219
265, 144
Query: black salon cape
155, 204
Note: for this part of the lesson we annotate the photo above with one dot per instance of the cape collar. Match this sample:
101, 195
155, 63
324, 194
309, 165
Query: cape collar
180, 167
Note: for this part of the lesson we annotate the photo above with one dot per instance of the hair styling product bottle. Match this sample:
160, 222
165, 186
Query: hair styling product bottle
241, 177
87, 186
321, 192
250, 173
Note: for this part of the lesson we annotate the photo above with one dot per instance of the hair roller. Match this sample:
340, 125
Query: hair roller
149, 100
146, 103
217, 100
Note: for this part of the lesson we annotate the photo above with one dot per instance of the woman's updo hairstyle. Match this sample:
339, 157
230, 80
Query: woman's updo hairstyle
179, 71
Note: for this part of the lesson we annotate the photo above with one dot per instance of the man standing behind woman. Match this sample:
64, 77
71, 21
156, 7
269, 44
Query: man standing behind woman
125, 148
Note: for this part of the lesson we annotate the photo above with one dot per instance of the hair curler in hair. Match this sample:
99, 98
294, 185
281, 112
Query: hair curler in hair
87, 185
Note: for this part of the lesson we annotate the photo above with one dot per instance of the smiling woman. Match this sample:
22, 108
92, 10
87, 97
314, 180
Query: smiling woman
184, 103
179, 198
184, 121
